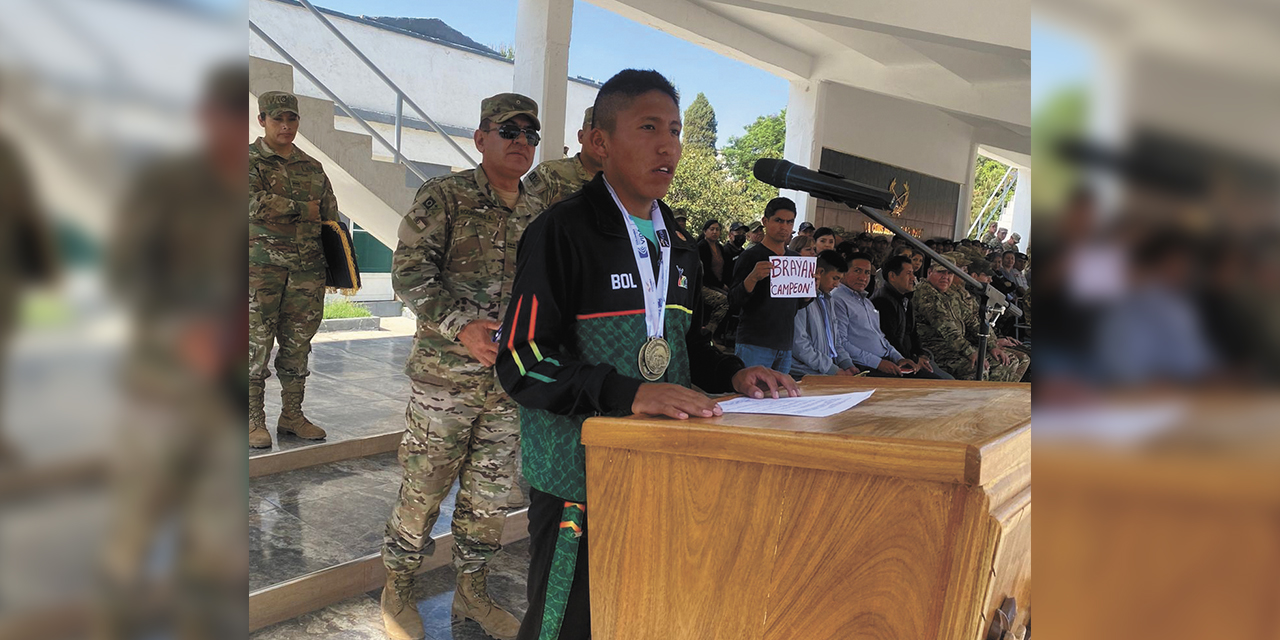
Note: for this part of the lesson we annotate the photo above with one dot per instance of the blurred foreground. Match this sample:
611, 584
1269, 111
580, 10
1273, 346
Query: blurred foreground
122, 483
1157, 422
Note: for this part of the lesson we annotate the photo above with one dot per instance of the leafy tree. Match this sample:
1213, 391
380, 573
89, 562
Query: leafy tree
702, 189
986, 177
700, 124
1062, 116
764, 138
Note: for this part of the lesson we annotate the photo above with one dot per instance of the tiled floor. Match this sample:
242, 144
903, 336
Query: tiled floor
360, 619
356, 388
313, 518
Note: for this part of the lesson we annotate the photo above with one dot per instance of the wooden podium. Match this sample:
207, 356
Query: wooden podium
907, 517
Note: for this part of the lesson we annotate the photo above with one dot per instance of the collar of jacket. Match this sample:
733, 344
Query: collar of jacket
266, 150
608, 218
486, 187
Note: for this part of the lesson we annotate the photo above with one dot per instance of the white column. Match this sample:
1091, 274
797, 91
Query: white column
543, 28
806, 110
1020, 220
966, 195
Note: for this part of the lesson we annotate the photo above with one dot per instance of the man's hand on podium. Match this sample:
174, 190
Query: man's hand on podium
661, 399
753, 382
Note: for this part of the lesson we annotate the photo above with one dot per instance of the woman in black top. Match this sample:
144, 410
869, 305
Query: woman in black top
714, 297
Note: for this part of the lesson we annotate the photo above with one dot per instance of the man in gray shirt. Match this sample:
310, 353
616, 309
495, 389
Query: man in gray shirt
859, 337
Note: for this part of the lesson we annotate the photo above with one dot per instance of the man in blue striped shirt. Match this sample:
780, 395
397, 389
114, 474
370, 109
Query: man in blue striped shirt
860, 338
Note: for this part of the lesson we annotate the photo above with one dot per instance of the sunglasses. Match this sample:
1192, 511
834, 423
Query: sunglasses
511, 132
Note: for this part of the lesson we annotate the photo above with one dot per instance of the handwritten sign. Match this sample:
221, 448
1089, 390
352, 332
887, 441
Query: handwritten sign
792, 276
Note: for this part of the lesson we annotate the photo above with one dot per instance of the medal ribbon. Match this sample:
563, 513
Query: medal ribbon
655, 292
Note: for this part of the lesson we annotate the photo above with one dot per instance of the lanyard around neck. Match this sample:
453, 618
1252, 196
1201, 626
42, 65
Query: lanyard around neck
655, 289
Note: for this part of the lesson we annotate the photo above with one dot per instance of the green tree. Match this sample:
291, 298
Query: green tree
764, 138
702, 189
1063, 115
986, 178
700, 124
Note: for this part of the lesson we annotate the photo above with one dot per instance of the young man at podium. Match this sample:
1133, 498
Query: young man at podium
606, 319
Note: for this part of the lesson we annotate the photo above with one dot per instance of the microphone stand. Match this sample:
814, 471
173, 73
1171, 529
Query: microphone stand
980, 289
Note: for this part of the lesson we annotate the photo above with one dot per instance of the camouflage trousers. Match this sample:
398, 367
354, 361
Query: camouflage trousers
285, 306
468, 432
962, 369
716, 305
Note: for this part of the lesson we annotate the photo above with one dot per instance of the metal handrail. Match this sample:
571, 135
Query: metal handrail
336, 100
977, 221
401, 97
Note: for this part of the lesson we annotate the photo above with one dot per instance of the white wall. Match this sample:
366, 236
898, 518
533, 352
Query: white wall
897, 132
446, 82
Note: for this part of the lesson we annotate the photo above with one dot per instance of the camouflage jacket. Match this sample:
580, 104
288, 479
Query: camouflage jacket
288, 198
455, 263
553, 180
942, 321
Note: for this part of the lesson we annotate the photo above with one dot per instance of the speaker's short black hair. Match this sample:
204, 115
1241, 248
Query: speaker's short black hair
823, 231
832, 261
622, 88
778, 204
896, 264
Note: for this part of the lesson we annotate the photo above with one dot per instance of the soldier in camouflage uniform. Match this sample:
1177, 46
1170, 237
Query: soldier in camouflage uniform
949, 330
553, 180
981, 271
289, 196
455, 266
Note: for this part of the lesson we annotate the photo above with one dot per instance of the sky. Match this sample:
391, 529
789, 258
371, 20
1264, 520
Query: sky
1059, 60
604, 43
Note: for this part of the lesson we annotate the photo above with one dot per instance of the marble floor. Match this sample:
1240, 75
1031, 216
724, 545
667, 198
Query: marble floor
359, 618
306, 520
356, 388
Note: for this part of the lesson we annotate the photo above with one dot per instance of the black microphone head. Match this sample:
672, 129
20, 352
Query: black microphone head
770, 170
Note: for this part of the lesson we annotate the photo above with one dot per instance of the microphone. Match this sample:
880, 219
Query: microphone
822, 184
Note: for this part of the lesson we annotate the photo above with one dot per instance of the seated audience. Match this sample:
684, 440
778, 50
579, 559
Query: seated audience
858, 335
813, 346
804, 246
897, 320
824, 239
714, 294
948, 329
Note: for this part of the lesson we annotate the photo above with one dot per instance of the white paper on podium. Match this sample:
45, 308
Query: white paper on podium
805, 406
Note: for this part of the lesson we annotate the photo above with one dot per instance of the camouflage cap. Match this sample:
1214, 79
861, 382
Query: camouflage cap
274, 103
756, 226
980, 267
505, 106
586, 118
956, 258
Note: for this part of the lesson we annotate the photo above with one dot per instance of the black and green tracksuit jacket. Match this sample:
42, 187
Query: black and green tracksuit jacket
574, 327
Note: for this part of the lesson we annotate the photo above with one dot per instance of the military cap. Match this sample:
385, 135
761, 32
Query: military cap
505, 106
274, 103
980, 267
956, 258
756, 226
586, 118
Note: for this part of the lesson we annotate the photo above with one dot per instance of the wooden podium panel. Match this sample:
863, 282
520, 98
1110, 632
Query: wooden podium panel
907, 516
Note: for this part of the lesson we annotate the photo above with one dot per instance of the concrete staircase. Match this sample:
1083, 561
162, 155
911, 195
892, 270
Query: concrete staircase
374, 193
